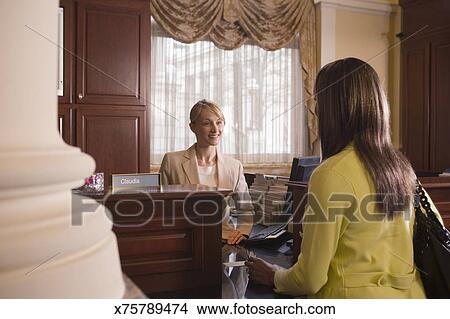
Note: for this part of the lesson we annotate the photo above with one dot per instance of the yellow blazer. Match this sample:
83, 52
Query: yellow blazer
181, 168
350, 256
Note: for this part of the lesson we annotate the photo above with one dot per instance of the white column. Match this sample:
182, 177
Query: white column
326, 20
42, 255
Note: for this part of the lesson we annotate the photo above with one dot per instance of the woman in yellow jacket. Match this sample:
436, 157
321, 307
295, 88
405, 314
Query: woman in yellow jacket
358, 224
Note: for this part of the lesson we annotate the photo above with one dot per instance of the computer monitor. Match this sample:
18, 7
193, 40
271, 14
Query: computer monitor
302, 168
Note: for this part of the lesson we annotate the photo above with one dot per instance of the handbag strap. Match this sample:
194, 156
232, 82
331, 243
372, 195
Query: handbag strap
440, 230
421, 199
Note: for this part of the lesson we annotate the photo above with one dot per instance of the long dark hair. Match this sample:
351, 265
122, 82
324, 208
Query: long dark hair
352, 107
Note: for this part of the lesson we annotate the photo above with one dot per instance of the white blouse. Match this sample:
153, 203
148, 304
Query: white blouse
208, 175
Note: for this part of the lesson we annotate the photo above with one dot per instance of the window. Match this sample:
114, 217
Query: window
259, 93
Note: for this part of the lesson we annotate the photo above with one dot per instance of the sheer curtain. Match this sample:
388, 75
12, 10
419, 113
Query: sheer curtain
259, 93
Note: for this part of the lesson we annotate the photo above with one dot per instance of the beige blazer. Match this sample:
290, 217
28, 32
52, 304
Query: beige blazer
181, 168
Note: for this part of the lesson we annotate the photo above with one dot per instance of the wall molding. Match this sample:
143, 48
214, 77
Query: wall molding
376, 7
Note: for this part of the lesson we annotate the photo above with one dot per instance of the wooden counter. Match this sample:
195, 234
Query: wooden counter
169, 238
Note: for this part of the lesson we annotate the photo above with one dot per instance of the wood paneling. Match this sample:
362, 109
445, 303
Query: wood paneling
144, 252
425, 83
417, 14
110, 71
440, 103
114, 138
415, 97
112, 46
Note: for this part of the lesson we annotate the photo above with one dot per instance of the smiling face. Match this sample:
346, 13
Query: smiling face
208, 128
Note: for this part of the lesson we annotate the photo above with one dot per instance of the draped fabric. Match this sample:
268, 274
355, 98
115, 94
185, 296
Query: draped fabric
308, 62
187, 20
270, 24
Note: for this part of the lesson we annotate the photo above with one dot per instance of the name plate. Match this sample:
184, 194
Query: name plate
135, 180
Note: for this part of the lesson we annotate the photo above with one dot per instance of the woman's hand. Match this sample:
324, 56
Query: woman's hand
261, 271
235, 237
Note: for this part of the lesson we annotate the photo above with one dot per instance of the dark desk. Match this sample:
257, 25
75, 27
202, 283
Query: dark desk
169, 238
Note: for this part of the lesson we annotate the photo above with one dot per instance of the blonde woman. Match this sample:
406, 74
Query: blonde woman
203, 163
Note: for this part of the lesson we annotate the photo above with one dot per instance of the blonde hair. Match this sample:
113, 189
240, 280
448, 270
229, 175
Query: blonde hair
201, 105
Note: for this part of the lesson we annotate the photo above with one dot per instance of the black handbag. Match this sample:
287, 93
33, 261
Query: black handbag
431, 248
